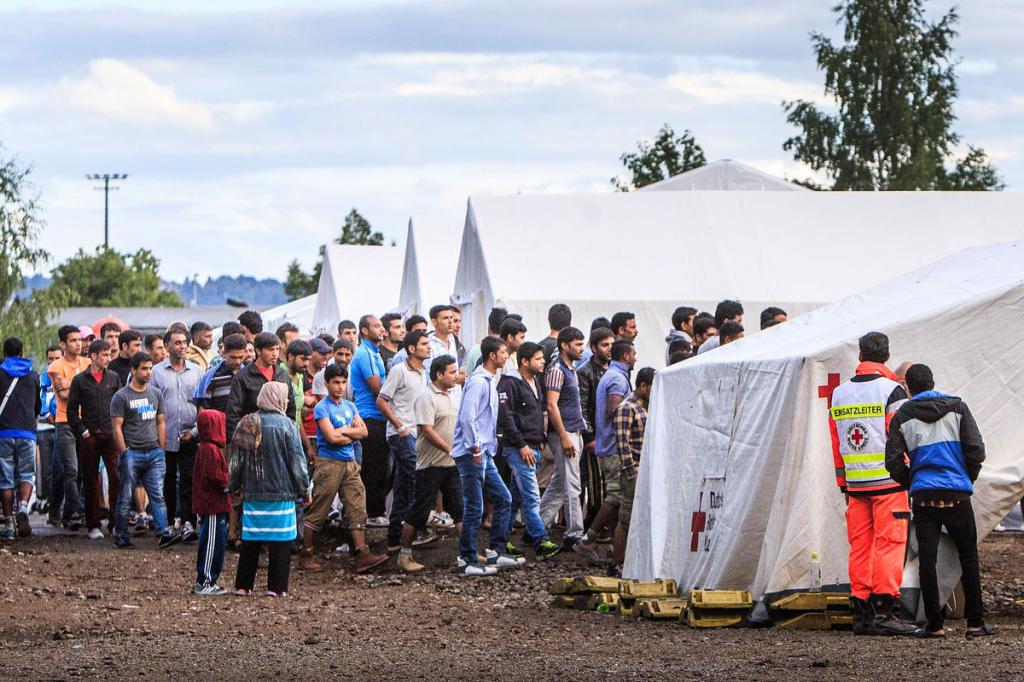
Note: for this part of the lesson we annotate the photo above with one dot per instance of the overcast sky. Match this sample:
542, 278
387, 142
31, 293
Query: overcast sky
249, 131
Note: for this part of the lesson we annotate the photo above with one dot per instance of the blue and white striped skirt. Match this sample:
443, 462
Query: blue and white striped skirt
268, 521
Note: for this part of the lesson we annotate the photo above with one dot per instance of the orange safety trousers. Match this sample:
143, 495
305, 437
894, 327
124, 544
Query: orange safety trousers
877, 530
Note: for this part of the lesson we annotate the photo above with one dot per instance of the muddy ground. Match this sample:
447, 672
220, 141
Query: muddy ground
74, 608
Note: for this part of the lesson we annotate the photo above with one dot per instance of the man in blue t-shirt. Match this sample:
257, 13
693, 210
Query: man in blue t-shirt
367, 376
338, 425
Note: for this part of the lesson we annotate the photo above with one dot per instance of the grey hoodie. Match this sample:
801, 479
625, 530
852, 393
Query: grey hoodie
674, 334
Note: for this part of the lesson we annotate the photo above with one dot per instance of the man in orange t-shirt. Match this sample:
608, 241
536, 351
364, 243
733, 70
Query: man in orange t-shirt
61, 372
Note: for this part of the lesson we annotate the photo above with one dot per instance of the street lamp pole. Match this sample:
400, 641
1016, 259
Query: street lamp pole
106, 178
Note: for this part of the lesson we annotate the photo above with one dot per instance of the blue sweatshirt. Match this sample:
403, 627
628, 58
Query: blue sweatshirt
18, 419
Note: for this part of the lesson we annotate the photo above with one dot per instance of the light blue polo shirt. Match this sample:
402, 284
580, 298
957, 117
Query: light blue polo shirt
367, 362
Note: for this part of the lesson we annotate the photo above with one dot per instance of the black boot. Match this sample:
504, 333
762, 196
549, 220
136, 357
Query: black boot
883, 621
862, 616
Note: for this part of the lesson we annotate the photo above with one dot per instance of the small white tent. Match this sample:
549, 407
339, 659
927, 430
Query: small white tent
428, 272
726, 175
736, 485
649, 252
355, 281
299, 312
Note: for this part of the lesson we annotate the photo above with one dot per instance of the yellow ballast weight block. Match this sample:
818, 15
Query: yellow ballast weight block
817, 620
585, 602
717, 600
595, 583
812, 601
652, 589
659, 609
629, 608
712, 619
561, 586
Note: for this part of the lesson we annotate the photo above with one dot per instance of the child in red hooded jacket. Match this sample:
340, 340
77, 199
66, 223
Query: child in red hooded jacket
210, 501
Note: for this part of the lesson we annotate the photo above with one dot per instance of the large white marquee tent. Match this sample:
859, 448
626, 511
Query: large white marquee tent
724, 175
428, 271
354, 281
299, 312
648, 252
736, 486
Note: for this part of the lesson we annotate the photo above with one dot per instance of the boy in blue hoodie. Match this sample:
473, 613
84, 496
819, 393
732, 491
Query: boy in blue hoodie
944, 453
19, 404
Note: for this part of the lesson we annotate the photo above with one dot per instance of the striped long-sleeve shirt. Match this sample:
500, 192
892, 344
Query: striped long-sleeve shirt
630, 421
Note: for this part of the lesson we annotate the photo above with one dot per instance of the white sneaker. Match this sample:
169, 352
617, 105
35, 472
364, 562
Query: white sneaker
502, 560
208, 590
95, 534
477, 569
442, 520
377, 522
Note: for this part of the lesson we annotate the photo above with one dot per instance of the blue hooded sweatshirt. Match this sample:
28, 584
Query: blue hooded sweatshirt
18, 418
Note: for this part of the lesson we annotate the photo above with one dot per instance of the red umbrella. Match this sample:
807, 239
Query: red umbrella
98, 324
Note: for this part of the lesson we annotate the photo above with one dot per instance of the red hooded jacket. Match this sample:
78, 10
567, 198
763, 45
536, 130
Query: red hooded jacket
210, 471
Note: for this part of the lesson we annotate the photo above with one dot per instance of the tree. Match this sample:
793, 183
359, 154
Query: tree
28, 317
668, 155
355, 230
893, 82
113, 279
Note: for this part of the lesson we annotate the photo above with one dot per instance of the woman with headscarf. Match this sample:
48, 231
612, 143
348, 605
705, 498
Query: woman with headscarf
268, 470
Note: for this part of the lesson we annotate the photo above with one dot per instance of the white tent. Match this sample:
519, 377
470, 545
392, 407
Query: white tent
648, 252
299, 312
428, 272
355, 281
736, 485
724, 175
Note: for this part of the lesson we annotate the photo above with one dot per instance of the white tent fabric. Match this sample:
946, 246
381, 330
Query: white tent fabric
724, 175
299, 312
649, 252
736, 485
428, 272
355, 281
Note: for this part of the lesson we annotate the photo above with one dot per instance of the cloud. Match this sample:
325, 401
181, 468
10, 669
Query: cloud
111, 88
727, 87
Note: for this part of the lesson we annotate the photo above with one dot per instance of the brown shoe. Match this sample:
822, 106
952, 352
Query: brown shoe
307, 562
409, 565
367, 560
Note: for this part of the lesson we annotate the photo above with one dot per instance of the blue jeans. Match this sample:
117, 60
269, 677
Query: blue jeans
147, 467
525, 478
56, 496
403, 454
479, 480
213, 541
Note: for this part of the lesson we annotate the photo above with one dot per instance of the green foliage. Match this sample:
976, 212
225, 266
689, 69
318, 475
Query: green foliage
893, 83
668, 155
113, 279
27, 317
355, 230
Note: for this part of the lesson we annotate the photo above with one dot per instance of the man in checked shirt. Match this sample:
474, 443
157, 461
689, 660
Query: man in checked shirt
630, 420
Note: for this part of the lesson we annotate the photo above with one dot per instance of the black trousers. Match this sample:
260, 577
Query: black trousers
279, 565
959, 523
178, 482
375, 467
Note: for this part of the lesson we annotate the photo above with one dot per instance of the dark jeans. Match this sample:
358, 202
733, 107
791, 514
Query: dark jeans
279, 565
403, 453
213, 541
90, 451
959, 523
375, 467
178, 482
67, 447
478, 481
56, 497
45, 438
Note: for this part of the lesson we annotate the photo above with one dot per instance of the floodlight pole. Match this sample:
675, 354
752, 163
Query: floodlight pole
106, 178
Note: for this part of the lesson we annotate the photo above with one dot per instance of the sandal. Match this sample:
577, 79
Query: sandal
242, 592
985, 630
275, 595
925, 633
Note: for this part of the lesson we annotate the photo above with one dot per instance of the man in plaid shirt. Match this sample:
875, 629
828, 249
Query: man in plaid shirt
630, 421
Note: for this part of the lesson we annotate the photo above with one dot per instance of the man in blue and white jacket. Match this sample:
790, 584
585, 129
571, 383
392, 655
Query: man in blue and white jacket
944, 453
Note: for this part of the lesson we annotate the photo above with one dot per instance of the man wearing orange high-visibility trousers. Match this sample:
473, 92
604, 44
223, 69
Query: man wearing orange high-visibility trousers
877, 510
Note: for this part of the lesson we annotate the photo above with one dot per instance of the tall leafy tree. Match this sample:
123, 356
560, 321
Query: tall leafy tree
893, 82
109, 278
29, 317
669, 154
355, 230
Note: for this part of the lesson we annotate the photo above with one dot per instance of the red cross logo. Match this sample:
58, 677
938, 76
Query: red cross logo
697, 525
857, 436
829, 388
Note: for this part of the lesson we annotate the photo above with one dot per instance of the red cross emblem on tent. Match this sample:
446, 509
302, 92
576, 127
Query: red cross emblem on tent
698, 524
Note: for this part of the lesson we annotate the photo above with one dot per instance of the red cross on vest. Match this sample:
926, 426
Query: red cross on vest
698, 523
857, 436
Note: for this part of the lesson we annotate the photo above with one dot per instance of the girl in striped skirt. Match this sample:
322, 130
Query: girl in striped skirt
268, 470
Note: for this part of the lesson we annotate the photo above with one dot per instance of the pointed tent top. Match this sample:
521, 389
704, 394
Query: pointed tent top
724, 175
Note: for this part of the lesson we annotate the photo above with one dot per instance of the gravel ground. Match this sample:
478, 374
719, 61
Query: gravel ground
74, 608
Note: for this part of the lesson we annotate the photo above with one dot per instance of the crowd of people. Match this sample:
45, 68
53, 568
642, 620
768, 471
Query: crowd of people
269, 438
